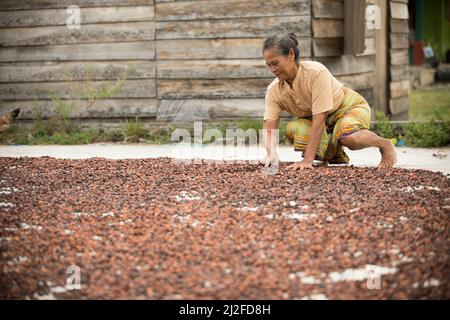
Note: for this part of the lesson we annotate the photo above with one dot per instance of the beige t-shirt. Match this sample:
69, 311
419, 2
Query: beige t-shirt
314, 90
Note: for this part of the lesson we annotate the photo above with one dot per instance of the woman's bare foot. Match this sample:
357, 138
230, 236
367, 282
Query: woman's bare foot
388, 154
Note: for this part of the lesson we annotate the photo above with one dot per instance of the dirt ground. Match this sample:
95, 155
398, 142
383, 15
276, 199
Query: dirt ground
161, 229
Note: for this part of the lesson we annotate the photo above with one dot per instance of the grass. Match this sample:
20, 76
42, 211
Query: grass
383, 126
134, 131
416, 134
429, 125
426, 104
19, 135
429, 115
60, 128
256, 124
427, 134
57, 130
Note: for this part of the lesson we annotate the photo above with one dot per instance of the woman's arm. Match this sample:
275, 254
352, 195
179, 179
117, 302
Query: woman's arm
270, 140
315, 136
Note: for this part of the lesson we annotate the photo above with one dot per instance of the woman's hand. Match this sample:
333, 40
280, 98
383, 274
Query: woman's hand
304, 164
271, 160
270, 141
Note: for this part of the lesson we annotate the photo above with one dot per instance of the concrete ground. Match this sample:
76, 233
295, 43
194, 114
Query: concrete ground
409, 158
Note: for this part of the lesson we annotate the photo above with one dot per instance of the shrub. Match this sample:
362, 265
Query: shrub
427, 134
383, 126
134, 130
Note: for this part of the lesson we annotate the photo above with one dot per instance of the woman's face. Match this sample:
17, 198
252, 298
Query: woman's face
283, 67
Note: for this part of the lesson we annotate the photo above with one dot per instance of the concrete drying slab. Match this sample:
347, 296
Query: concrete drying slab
409, 158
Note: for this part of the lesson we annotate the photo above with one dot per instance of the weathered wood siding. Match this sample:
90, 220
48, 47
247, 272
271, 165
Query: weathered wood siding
40, 56
355, 70
191, 59
362, 71
209, 54
399, 85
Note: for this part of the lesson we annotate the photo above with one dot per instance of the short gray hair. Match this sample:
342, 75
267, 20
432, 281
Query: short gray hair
283, 43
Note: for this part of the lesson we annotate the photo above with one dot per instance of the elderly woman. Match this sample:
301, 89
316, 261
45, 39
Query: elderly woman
329, 115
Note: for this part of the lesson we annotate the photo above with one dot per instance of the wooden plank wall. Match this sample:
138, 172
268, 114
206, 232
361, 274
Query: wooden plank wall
399, 86
354, 70
209, 54
40, 55
192, 59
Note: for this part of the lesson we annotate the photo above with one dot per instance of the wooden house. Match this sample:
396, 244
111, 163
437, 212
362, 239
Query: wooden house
190, 60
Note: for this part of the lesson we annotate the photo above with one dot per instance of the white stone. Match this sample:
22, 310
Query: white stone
418, 188
195, 224
49, 296
108, 214
185, 196
299, 216
249, 209
25, 226
307, 279
58, 289
431, 283
8, 190
316, 296
6, 204
360, 274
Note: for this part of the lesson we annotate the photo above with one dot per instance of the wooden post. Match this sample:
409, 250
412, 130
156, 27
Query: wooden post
354, 26
381, 65
399, 85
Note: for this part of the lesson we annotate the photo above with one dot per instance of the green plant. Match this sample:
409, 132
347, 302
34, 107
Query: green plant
160, 135
427, 134
111, 136
134, 130
62, 122
88, 90
383, 126
59, 126
59, 122
14, 135
246, 124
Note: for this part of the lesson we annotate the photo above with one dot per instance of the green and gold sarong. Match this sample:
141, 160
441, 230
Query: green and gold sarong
352, 115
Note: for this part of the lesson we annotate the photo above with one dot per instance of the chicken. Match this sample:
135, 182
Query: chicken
5, 120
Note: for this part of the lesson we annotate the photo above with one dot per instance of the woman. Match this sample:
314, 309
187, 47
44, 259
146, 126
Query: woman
330, 115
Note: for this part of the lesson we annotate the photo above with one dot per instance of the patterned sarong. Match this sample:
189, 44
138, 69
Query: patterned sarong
352, 115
